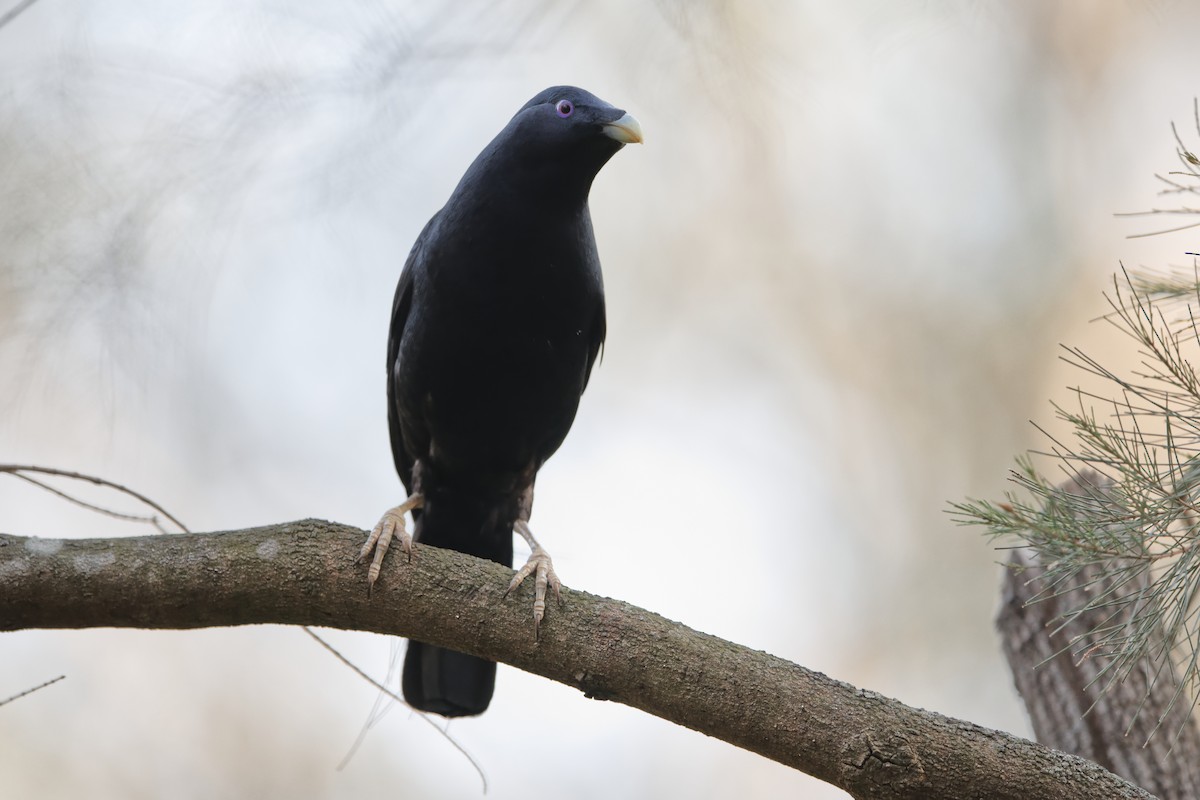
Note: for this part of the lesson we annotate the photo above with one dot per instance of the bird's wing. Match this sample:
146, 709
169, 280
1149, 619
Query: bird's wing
400, 308
595, 341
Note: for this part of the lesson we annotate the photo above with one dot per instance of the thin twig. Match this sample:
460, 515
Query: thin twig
16, 11
19, 695
17, 469
108, 512
400, 699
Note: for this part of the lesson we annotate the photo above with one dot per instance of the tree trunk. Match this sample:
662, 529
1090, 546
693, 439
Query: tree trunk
1140, 728
1142, 734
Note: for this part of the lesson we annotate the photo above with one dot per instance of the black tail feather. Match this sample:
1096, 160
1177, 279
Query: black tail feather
446, 682
435, 679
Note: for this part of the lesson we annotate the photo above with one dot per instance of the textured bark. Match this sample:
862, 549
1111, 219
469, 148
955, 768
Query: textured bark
303, 573
1074, 709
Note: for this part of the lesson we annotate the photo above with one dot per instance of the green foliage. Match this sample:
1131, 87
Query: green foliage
1119, 517
1129, 507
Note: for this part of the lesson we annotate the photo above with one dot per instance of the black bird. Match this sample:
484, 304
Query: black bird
497, 321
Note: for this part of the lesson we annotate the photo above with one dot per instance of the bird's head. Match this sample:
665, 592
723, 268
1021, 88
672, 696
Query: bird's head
568, 116
564, 135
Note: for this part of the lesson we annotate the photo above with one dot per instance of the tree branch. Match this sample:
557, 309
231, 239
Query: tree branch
302, 573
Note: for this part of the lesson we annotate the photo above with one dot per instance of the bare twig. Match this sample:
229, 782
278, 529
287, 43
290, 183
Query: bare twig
19, 695
18, 470
385, 690
1185, 181
16, 11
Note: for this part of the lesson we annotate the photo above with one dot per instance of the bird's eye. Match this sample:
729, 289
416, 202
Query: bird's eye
564, 108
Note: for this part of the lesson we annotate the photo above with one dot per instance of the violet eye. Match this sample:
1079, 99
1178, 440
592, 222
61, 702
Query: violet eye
564, 108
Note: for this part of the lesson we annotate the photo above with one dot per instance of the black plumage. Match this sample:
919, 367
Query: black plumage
497, 321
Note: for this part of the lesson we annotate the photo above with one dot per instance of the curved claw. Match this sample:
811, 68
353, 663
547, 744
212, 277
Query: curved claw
390, 525
542, 568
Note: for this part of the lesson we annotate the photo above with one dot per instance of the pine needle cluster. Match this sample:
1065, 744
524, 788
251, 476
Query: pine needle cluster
1114, 509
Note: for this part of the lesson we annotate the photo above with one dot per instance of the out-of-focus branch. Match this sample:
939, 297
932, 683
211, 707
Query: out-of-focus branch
16, 11
302, 573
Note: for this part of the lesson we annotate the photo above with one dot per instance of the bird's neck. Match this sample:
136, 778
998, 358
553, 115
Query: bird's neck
528, 183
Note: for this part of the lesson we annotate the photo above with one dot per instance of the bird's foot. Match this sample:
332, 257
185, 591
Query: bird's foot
390, 525
542, 568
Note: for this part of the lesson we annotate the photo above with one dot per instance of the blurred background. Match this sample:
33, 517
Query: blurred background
838, 272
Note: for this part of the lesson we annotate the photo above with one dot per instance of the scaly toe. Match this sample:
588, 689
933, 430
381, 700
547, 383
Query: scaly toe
391, 525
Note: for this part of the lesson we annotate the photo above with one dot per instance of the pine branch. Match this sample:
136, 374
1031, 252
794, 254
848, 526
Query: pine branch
1117, 542
302, 573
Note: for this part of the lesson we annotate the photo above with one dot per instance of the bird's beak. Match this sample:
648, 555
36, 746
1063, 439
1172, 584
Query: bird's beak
625, 130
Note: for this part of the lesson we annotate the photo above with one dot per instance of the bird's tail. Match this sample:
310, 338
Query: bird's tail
435, 679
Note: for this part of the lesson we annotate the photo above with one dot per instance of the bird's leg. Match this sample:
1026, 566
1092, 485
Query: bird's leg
542, 568
389, 525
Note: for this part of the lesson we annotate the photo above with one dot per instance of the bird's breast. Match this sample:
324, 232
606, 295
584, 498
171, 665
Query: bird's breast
520, 282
